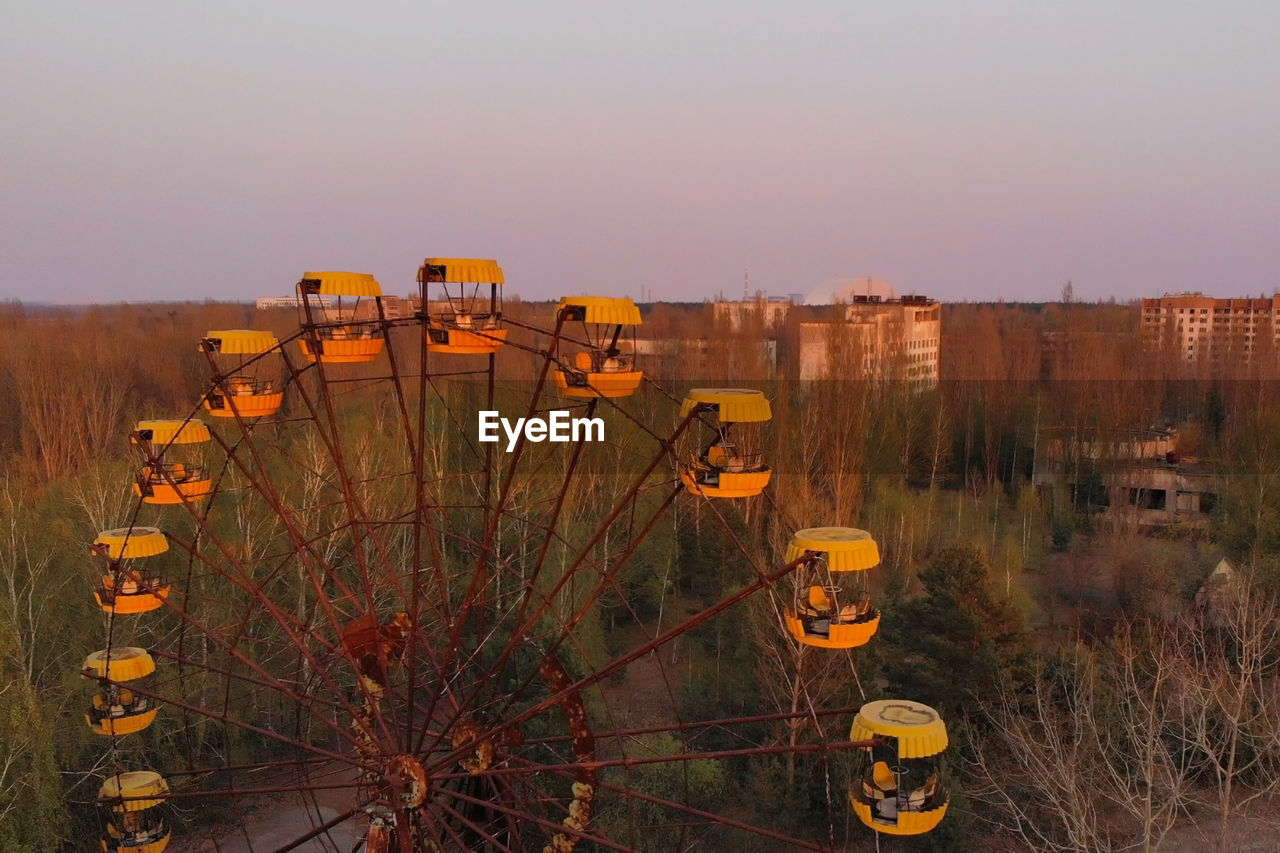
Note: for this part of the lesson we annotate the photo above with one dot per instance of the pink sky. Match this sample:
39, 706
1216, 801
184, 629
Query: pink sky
966, 151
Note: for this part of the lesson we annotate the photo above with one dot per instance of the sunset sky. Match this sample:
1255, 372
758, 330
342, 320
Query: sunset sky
976, 150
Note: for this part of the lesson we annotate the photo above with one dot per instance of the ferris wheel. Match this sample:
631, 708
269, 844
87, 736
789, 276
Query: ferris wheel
339, 619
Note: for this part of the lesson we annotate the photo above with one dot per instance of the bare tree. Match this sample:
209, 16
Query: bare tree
72, 399
1231, 698
1086, 763
1144, 767
30, 588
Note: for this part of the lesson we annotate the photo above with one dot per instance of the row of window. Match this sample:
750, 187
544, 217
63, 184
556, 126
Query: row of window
1220, 311
1248, 321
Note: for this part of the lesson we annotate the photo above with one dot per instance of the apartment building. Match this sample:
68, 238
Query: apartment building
763, 313
1200, 328
846, 328
895, 339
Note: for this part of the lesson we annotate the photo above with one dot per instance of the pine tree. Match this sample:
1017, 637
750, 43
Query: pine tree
949, 647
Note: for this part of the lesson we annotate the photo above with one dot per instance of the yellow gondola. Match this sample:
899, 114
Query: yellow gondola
132, 804
130, 587
341, 332
165, 479
603, 368
732, 465
118, 709
899, 791
467, 320
245, 384
831, 610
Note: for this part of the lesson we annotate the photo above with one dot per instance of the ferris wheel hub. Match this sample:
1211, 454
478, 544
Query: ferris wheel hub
406, 781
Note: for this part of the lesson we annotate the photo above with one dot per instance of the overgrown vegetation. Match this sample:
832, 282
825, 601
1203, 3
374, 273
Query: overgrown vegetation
1096, 693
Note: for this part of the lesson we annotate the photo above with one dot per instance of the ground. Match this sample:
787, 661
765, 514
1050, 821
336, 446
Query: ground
272, 822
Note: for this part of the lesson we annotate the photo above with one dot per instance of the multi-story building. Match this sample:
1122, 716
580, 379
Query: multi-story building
764, 313
896, 339
719, 359
393, 307
846, 328
267, 303
1203, 329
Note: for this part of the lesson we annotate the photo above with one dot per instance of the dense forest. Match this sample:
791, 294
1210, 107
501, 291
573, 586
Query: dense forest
1101, 691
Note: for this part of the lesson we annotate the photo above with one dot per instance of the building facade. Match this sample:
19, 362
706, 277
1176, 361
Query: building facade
728, 361
1202, 329
393, 307
1136, 475
764, 313
893, 339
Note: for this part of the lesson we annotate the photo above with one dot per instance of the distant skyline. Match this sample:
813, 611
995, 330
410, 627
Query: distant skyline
976, 151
